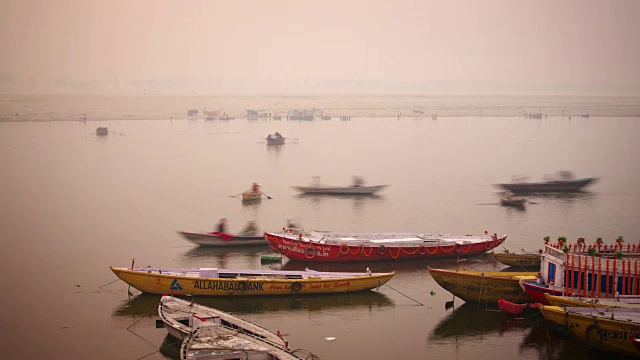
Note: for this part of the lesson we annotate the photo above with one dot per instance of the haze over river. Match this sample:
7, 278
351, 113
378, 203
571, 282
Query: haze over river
74, 204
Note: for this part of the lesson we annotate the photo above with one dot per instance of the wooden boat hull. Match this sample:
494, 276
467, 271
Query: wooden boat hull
483, 287
223, 240
519, 260
191, 282
181, 317
513, 202
251, 196
550, 186
611, 332
568, 301
303, 250
275, 141
340, 190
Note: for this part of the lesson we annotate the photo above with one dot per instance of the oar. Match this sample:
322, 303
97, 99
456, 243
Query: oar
235, 195
268, 197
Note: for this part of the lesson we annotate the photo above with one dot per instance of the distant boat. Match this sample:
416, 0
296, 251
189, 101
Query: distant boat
219, 239
508, 199
102, 131
562, 181
301, 115
523, 260
357, 188
275, 139
211, 115
192, 113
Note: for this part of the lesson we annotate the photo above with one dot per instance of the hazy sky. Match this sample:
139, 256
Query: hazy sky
569, 42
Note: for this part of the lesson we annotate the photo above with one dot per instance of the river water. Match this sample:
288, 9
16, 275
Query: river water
74, 204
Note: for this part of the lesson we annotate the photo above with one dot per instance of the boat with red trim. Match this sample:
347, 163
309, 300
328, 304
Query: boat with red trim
595, 271
327, 246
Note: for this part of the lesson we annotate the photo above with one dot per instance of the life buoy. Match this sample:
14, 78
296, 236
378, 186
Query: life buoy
422, 249
310, 252
344, 249
242, 286
594, 336
296, 286
381, 249
458, 247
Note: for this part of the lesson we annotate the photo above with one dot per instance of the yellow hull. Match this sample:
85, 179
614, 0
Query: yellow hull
566, 301
600, 333
519, 260
251, 196
478, 286
155, 283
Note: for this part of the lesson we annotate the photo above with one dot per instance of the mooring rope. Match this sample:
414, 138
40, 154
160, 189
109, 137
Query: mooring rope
408, 297
100, 287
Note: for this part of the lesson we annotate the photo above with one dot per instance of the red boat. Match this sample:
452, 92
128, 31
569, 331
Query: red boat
324, 246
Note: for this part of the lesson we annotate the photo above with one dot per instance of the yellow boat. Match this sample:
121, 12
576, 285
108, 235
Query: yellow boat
224, 282
482, 286
574, 301
615, 330
526, 260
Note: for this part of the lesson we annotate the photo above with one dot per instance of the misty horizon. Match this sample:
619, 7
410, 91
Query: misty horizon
286, 47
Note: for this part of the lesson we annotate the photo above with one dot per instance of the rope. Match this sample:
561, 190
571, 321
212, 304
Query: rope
100, 287
421, 304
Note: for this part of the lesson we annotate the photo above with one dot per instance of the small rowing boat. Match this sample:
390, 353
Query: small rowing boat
357, 188
180, 317
219, 239
213, 334
524, 260
225, 282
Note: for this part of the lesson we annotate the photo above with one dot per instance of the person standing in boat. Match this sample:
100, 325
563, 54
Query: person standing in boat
222, 226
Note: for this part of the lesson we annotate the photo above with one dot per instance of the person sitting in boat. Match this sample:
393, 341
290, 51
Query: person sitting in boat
278, 136
255, 188
222, 226
269, 136
250, 228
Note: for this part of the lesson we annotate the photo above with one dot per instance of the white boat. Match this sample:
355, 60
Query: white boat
357, 188
181, 317
219, 342
219, 239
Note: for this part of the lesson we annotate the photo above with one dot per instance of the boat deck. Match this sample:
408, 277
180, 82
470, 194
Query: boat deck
248, 274
390, 239
619, 314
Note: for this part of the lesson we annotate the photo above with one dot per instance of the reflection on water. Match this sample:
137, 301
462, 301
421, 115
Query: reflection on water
548, 344
486, 262
565, 196
147, 304
225, 254
470, 320
171, 347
